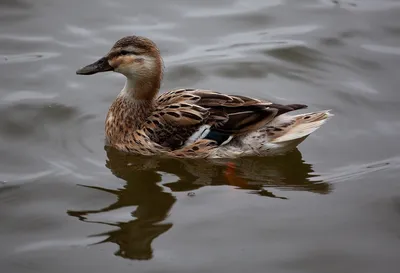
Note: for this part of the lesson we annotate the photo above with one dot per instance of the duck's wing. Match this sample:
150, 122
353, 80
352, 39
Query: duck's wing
184, 116
241, 114
175, 118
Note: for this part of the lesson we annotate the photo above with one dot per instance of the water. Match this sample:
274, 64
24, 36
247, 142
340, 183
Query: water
68, 205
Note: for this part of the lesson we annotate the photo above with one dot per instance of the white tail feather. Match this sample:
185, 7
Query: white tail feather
304, 125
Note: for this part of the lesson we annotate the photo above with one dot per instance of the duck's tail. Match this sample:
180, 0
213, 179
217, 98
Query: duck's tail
278, 137
299, 127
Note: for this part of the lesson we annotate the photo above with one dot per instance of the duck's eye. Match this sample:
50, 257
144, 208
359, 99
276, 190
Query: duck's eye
124, 52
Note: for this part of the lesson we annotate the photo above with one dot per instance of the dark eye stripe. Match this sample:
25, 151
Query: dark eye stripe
126, 52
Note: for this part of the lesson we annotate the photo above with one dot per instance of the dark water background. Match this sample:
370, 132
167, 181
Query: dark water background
67, 205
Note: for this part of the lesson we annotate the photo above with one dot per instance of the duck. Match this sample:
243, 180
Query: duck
191, 122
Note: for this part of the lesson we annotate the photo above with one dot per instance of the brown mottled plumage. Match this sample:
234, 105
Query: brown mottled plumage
191, 122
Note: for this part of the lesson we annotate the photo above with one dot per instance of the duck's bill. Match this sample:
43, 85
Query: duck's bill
101, 65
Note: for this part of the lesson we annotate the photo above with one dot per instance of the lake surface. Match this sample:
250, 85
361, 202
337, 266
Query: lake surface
67, 204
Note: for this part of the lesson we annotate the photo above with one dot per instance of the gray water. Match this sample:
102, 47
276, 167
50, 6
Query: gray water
67, 204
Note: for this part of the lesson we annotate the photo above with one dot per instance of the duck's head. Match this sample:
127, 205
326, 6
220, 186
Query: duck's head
133, 56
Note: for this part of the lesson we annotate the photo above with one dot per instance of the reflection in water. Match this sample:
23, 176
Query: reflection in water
143, 190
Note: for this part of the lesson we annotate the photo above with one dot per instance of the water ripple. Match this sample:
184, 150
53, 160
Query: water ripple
383, 49
28, 57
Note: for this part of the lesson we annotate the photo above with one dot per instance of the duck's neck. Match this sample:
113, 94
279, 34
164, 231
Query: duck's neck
141, 89
138, 96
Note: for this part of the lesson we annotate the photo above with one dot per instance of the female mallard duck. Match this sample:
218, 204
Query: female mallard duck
192, 123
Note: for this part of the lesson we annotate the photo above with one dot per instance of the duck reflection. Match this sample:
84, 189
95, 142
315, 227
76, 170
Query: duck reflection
146, 190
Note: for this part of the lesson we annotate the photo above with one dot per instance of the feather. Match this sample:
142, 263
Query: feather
302, 126
184, 116
198, 134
